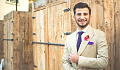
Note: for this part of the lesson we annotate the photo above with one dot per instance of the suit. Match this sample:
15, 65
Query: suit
91, 56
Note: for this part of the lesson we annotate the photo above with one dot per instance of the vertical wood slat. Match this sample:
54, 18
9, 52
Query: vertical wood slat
109, 28
1, 42
117, 32
16, 49
46, 38
5, 42
10, 43
34, 39
40, 38
28, 49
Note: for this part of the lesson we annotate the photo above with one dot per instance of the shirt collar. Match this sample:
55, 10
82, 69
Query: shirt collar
84, 30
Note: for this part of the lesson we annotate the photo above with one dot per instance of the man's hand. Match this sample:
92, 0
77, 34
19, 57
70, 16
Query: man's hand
73, 58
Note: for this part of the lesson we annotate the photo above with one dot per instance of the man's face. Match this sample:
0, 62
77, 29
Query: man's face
82, 17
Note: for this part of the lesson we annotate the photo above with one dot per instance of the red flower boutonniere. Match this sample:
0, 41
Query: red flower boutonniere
86, 38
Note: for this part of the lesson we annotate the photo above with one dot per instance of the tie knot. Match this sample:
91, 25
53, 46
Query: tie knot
80, 33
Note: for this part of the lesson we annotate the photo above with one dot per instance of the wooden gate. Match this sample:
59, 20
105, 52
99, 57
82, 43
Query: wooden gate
17, 36
50, 23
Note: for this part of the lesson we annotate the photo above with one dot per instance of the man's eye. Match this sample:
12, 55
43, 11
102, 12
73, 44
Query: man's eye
79, 14
85, 13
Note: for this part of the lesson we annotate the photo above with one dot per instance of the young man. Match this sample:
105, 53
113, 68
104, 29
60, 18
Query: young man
86, 48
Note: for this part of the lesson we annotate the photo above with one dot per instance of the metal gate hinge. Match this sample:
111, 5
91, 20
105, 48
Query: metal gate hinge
67, 33
48, 43
7, 39
11, 21
33, 17
65, 10
35, 66
34, 33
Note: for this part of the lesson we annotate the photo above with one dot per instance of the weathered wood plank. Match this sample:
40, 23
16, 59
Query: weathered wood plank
51, 34
30, 53
22, 39
117, 34
35, 46
34, 39
10, 43
110, 28
46, 39
1, 42
5, 43
40, 38
16, 48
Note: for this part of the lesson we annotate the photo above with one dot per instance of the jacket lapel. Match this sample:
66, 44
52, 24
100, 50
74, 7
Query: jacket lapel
73, 43
84, 43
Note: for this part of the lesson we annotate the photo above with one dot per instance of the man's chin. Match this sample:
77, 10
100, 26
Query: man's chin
82, 25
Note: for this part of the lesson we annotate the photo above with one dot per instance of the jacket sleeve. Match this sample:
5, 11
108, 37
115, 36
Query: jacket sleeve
67, 65
101, 60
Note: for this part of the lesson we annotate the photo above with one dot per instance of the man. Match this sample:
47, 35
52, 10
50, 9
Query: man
86, 48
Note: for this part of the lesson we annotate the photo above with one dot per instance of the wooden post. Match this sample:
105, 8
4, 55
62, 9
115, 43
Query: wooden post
19, 51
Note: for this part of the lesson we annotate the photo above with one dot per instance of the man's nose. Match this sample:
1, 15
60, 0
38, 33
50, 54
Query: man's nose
82, 16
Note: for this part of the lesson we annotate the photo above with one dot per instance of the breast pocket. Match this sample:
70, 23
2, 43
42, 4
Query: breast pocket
90, 50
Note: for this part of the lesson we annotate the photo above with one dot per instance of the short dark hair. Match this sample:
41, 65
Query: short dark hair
81, 5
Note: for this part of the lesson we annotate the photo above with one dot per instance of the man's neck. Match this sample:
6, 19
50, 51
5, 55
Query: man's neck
80, 29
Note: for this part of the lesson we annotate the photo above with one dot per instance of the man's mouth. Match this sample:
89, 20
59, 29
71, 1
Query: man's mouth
82, 20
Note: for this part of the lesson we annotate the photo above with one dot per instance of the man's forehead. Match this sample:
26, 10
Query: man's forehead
82, 10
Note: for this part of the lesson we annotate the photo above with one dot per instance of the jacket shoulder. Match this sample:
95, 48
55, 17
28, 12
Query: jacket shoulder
98, 32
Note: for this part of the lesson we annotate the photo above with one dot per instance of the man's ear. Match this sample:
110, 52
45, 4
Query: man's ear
74, 17
90, 16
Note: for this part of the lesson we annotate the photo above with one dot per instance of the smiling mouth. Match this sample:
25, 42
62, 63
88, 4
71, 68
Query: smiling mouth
82, 20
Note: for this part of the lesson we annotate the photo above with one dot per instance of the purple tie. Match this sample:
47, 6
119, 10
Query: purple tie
79, 40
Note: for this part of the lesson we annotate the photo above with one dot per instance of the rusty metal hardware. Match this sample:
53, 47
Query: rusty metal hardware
7, 39
32, 42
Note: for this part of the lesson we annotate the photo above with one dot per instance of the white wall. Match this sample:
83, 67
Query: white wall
8, 7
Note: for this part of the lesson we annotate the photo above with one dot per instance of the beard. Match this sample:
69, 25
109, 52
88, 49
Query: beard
82, 26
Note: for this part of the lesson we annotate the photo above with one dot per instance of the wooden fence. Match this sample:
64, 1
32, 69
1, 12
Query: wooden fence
47, 29
52, 21
18, 52
49, 25
1, 42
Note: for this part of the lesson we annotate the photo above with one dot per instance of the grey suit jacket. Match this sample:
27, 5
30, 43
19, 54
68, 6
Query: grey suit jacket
91, 56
